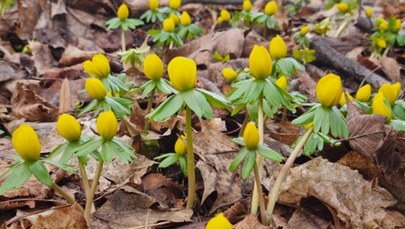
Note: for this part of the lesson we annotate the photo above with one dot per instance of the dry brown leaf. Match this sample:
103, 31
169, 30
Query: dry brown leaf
10, 71
42, 56
66, 217
249, 222
73, 55
163, 189
391, 68
358, 203
65, 103
393, 219
302, 219
29, 13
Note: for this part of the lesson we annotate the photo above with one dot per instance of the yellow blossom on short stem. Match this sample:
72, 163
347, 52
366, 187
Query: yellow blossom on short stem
247, 5
168, 25
98, 67
225, 15
251, 136
174, 4
304, 30
364, 93
153, 67
153, 4
282, 82
278, 48
379, 107
95, 88
369, 11
342, 7
390, 91
260, 64
69, 128
185, 19
123, 12
219, 222
107, 125
26, 143
229, 74
271, 8
182, 73
342, 100
180, 147
329, 90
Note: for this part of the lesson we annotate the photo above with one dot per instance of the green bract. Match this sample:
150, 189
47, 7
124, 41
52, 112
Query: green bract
126, 24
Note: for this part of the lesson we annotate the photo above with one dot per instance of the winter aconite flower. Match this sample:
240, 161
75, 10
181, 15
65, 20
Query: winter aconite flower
98, 67
69, 128
271, 8
247, 5
260, 64
278, 48
123, 12
95, 88
182, 73
175, 19
342, 100
180, 147
229, 74
219, 222
379, 106
369, 11
342, 7
107, 125
329, 90
383, 26
25, 141
174, 4
364, 93
381, 43
390, 91
224, 15
282, 82
304, 30
185, 19
251, 136
168, 25
397, 25
153, 67
153, 4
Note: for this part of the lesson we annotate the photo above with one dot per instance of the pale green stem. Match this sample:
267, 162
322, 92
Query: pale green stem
123, 43
385, 53
260, 194
90, 197
259, 159
342, 26
149, 108
66, 196
85, 180
273, 195
190, 162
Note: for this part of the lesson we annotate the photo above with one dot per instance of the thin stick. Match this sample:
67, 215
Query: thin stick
190, 162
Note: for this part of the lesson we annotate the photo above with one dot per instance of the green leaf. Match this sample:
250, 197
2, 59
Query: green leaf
68, 152
183, 165
248, 164
398, 124
168, 161
214, 99
163, 86
17, 176
270, 154
254, 91
107, 151
288, 66
239, 141
89, 107
238, 159
58, 150
319, 119
167, 108
89, 146
113, 23
196, 101
124, 151
399, 110
305, 118
311, 144
39, 170
65, 167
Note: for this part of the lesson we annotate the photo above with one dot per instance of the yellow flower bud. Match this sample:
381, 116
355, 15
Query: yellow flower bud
369, 11
383, 25
380, 108
342, 100
185, 19
282, 83
219, 222
390, 91
25, 141
182, 73
225, 15
247, 5
309, 125
69, 128
107, 125
153, 67
179, 147
260, 64
95, 88
175, 19
98, 67
342, 7
251, 136
168, 25
271, 8
123, 12
278, 48
153, 4
381, 43
364, 93
229, 74
329, 90
174, 4
398, 25
304, 30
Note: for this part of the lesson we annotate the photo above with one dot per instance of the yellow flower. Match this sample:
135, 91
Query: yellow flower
69, 128
95, 88
98, 67
364, 93
390, 91
168, 25
278, 48
251, 136
380, 108
329, 90
174, 4
381, 43
304, 30
185, 19
25, 141
271, 8
153, 67
219, 222
342, 100
153, 4
282, 83
342, 7
369, 11
225, 15
175, 19
383, 26
309, 125
229, 74
123, 12
398, 25
107, 125
182, 73
247, 5
179, 147
260, 64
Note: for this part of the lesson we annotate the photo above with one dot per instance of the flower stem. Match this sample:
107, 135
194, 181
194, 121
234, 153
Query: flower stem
259, 159
273, 196
260, 194
123, 43
85, 180
149, 108
66, 196
342, 26
190, 161
90, 197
